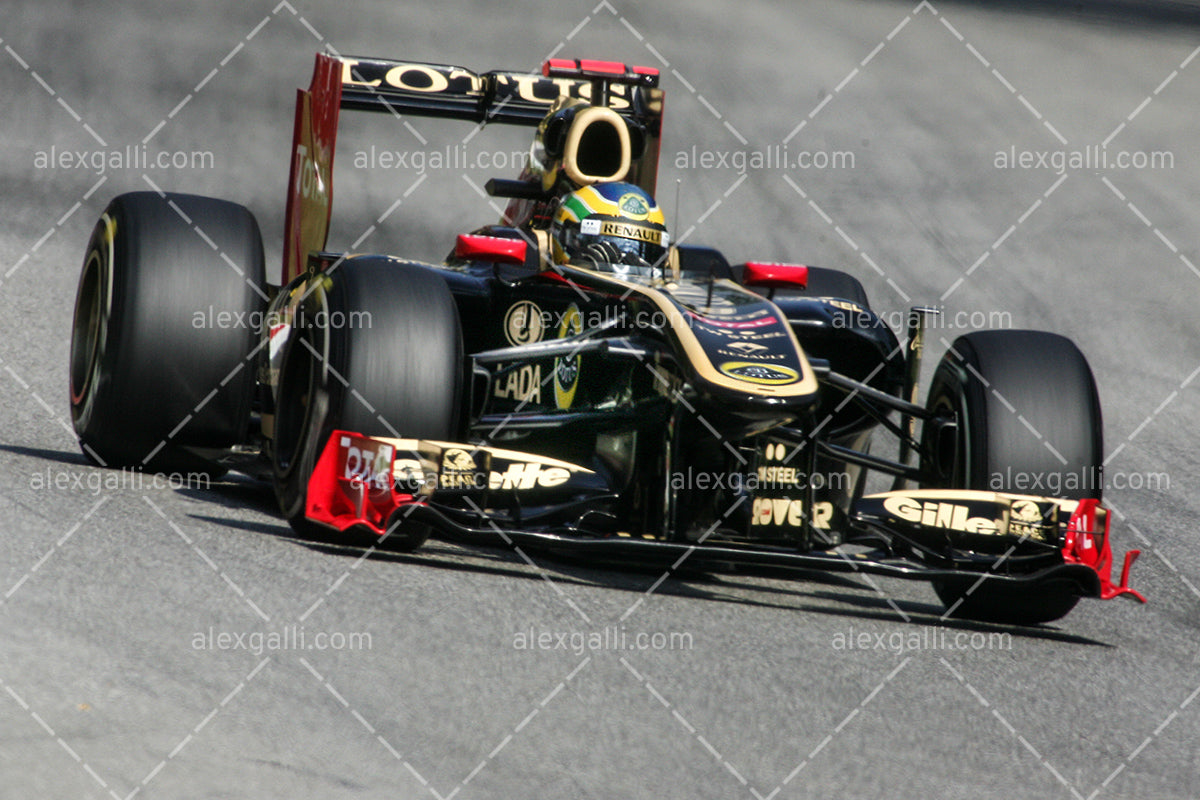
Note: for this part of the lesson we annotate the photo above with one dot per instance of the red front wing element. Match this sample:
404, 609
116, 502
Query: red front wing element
352, 484
1089, 546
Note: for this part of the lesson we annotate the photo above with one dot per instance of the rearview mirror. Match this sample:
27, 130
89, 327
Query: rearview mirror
774, 276
477, 247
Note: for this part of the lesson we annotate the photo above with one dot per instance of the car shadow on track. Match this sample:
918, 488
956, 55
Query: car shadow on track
72, 458
1118, 13
746, 587
801, 592
720, 587
449, 555
240, 492
881, 608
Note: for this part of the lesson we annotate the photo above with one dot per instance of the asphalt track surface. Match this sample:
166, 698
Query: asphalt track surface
110, 685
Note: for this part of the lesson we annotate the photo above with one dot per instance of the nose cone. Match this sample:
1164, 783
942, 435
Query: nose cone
748, 366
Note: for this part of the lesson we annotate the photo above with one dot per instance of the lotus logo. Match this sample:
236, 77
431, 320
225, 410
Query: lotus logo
567, 368
759, 373
458, 461
633, 206
1026, 511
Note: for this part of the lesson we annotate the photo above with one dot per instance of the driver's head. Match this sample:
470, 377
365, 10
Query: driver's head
615, 227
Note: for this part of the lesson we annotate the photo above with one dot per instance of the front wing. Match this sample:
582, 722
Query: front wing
378, 484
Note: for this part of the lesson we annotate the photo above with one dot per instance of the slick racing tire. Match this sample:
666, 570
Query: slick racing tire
164, 329
377, 350
1026, 419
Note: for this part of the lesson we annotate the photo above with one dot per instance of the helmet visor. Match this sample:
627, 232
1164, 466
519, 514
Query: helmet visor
620, 242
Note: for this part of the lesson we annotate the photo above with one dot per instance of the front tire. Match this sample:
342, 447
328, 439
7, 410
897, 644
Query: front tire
396, 372
172, 289
1015, 411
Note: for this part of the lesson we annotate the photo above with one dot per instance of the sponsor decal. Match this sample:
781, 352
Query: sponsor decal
1026, 511
458, 460
590, 226
434, 79
627, 230
634, 206
523, 384
1025, 519
776, 451
566, 369
782, 511
846, 305
757, 352
744, 322
425, 78
779, 476
528, 476
524, 323
364, 467
749, 348
750, 372
459, 470
464, 471
408, 474
743, 335
934, 514
312, 179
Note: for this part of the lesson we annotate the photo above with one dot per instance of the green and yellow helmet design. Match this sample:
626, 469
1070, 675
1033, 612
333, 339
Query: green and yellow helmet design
615, 227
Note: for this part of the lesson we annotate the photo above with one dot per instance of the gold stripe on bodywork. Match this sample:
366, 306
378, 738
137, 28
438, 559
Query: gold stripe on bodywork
676, 316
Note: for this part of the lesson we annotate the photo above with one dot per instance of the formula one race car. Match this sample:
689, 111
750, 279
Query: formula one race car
572, 381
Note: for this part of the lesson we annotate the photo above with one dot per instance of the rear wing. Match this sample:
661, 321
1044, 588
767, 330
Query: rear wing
513, 98
438, 90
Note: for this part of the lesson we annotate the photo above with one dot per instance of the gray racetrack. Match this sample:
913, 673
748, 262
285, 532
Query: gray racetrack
110, 683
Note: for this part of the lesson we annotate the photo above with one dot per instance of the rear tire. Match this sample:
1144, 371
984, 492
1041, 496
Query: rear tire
164, 328
397, 372
1018, 401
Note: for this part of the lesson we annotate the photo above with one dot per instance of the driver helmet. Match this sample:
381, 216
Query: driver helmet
613, 227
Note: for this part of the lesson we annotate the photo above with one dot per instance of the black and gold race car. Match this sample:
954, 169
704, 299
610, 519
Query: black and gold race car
572, 381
